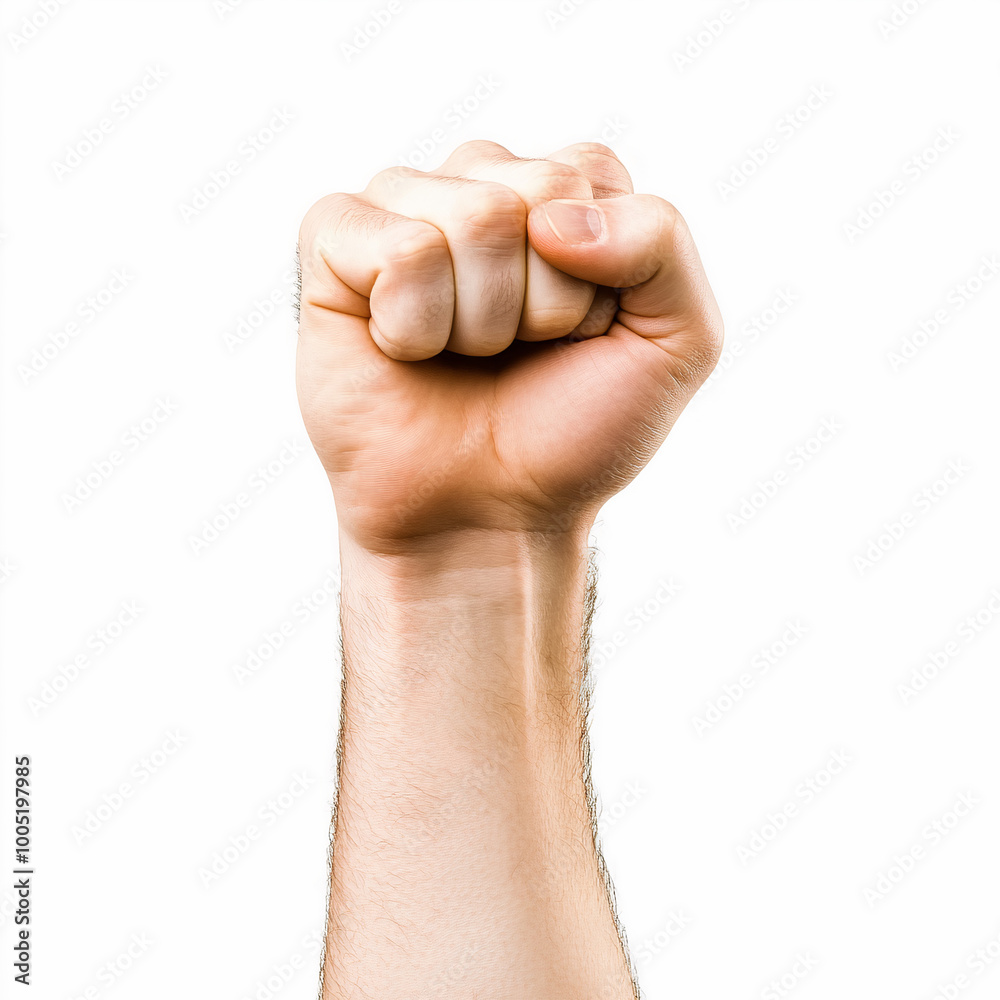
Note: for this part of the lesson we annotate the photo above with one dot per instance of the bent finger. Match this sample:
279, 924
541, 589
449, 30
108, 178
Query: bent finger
554, 302
363, 261
484, 226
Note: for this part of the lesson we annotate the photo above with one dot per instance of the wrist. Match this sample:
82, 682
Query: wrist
456, 565
483, 625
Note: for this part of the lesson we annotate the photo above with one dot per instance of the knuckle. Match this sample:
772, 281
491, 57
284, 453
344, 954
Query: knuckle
669, 220
386, 182
593, 149
313, 219
561, 180
317, 226
602, 167
316, 211
478, 151
418, 246
489, 213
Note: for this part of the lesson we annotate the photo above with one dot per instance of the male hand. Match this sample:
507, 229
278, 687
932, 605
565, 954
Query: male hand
476, 355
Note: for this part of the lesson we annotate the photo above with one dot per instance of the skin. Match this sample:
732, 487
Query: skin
487, 353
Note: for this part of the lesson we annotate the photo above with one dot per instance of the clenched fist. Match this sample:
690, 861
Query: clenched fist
501, 343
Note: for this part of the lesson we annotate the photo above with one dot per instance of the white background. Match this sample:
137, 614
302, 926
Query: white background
679, 799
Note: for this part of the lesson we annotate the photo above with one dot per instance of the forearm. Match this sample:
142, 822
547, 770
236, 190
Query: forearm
464, 862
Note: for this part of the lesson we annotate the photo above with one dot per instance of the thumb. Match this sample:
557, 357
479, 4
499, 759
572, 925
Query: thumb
639, 244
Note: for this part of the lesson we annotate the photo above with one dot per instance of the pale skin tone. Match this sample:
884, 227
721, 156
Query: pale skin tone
487, 353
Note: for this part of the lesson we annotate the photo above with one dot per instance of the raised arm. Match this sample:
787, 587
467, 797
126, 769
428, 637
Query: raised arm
480, 368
